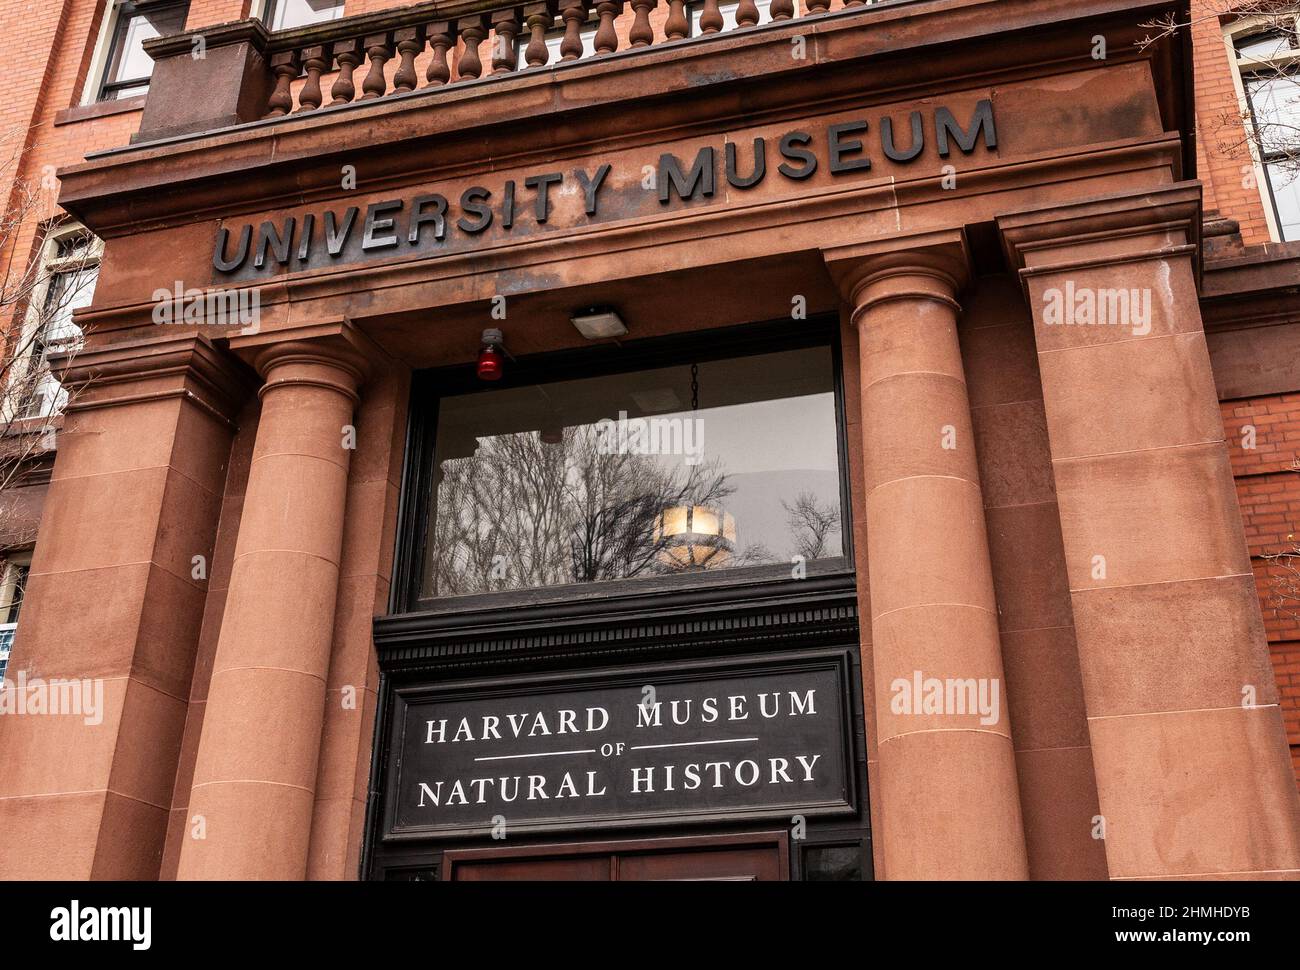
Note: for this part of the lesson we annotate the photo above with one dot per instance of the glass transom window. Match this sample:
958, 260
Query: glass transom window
690, 468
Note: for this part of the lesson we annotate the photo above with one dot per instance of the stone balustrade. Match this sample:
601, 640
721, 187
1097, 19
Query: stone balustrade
426, 45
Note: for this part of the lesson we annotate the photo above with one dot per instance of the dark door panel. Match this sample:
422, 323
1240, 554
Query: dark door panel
744, 858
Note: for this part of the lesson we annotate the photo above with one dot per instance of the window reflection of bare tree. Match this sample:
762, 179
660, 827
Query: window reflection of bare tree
524, 512
811, 524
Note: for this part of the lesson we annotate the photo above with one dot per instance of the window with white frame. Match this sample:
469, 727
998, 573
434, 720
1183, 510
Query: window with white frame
63, 282
287, 14
13, 587
121, 65
1267, 54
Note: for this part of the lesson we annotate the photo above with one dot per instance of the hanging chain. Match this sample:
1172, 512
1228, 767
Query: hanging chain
695, 387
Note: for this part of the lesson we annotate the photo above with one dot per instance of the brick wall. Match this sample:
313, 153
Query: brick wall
1268, 488
205, 13
48, 45
1224, 164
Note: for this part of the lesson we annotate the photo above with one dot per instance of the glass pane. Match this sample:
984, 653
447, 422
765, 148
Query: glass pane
1275, 103
75, 246
48, 398
616, 477
833, 863
128, 61
20, 591
67, 292
1286, 193
121, 94
287, 14
1265, 46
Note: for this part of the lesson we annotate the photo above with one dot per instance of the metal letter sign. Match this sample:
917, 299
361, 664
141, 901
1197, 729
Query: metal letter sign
753, 739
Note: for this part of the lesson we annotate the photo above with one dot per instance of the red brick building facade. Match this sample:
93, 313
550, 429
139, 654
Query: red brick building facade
1044, 790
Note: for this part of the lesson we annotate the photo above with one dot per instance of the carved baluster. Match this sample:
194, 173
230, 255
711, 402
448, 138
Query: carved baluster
472, 31
285, 67
574, 13
315, 61
747, 14
677, 26
539, 17
855, 3
711, 18
410, 44
347, 53
379, 48
818, 6
505, 28
642, 34
782, 9
606, 35
442, 37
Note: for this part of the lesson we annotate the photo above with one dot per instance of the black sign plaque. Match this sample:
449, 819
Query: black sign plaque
755, 738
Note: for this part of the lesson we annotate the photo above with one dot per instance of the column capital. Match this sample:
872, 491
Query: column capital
335, 355
1146, 224
150, 368
930, 265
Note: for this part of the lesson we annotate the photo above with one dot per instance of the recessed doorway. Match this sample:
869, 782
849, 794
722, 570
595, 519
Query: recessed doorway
760, 857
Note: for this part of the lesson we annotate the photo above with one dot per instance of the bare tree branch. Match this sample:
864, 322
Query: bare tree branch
37, 300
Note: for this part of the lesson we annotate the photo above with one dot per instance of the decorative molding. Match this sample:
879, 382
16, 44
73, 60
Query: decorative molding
251, 31
145, 369
844, 37
337, 345
1030, 235
748, 617
938, 257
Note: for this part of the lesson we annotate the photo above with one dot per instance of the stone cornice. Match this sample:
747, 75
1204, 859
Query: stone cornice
220, 35
1260, 288
729, 617
336, 344
870, 48
1047, 239
979, 193
149, 368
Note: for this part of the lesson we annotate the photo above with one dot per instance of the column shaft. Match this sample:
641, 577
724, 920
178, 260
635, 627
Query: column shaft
950, 802
255, 775
1193, 773
114, 606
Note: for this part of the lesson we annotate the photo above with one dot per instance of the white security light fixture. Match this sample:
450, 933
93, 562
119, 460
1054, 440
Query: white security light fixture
599, 323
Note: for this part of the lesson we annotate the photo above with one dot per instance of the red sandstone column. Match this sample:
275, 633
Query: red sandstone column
115, 602
949, 798
1193, 773
255, 775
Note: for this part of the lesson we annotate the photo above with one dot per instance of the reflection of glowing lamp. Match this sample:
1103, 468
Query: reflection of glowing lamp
694, 536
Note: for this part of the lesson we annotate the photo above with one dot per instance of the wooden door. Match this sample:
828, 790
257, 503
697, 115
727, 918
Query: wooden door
760, 857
